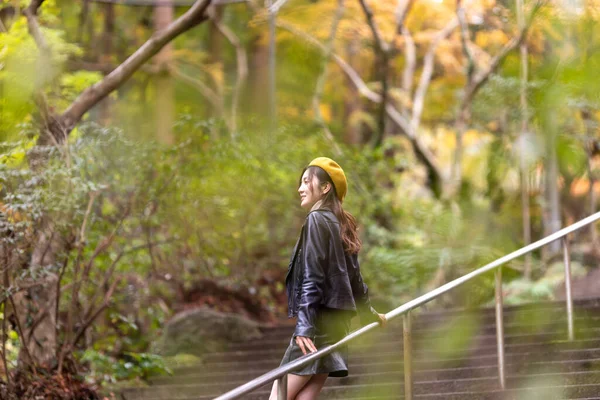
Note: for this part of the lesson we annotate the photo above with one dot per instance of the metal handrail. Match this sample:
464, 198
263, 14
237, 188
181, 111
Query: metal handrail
280, 373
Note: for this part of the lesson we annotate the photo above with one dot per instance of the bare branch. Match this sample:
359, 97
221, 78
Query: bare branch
93, 317
474, 82
96, 92
48, 243
382, 50
68, 346
83, 19
380, 44
420, 150
39, 317
410, 63
77, 264
104, 244
34, 28
482, 76
348, 70
108, 274
4, 303
428, 64
93, 196
402, 10
275, 7
464, 39
146, 245
206, 91
242, 66
58, 287
321, 81
22, 334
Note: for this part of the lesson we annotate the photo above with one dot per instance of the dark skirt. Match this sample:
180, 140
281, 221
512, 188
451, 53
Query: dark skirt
331, 326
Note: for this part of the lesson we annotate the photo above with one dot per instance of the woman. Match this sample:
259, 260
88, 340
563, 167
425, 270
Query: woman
324, 285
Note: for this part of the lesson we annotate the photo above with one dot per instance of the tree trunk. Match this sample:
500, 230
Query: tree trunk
106, 58
215, 56
461, 126
215, 38
35, 307
524, 127
352, 102
165, 103
258, 78
272, 76
41, 338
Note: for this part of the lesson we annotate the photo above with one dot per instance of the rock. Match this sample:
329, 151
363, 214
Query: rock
200, 330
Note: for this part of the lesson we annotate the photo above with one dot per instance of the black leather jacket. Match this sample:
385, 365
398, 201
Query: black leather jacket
322, 274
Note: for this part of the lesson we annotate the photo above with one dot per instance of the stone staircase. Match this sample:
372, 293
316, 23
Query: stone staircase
454, 358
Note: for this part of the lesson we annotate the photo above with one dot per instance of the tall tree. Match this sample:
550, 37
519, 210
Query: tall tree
272, 65
476, 77
163, 82
41, 338
523, 137
105, 57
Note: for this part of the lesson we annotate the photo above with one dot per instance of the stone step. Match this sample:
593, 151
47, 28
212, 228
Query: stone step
528, 318
272, 359
554, 392
540, 362
352, 386
488, 372
366, 369
395, 345
527, 312
510, 328
385, 360
391, 392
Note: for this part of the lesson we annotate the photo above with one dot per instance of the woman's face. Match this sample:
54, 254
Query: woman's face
309, 197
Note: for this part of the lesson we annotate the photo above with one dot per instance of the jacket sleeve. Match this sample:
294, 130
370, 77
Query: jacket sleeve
360, 291
315, 256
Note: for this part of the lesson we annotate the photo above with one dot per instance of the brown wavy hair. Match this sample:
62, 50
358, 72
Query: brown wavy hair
348, 227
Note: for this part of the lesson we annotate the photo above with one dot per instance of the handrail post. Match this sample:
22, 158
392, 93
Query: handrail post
568, 293
500, 328
408, 378
282, 388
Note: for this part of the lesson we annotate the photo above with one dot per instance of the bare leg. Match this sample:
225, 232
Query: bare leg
294, 385
311, 390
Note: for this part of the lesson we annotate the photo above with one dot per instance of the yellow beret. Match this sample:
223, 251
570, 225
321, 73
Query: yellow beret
335, 172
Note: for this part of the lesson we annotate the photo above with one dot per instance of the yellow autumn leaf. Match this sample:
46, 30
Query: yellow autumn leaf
325, 112
491, 39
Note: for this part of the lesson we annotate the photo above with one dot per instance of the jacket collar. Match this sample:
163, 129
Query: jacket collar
317, 206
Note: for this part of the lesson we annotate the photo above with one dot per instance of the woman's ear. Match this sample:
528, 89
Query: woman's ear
327, 188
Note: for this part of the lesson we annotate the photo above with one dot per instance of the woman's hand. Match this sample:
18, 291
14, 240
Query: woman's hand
383, 320
305, 343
